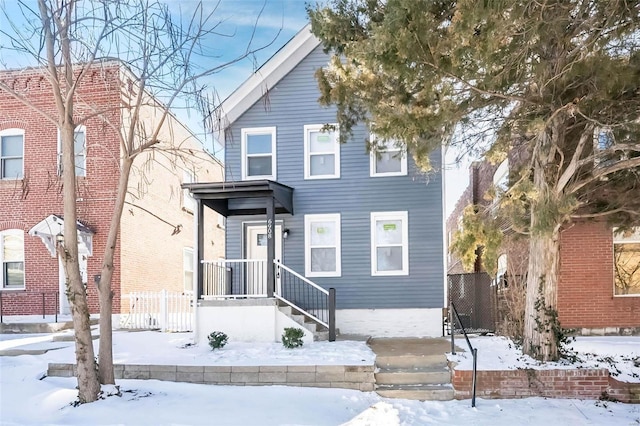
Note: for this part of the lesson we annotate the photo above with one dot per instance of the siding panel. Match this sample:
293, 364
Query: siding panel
290, 105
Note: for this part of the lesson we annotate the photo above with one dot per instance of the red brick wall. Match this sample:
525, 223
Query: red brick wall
27, 201
581, 384
585, 293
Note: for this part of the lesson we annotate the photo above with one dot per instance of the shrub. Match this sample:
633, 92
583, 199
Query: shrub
217, 340
292, 337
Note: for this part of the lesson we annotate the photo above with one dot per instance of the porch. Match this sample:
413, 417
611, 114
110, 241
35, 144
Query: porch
258, 282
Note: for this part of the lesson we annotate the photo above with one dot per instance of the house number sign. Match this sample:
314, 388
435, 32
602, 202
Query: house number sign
269, 229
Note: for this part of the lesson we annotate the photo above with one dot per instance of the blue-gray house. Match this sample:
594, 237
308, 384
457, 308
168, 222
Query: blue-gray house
306, 214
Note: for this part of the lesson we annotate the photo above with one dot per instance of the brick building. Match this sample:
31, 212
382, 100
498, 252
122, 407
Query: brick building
592, 295
154, 249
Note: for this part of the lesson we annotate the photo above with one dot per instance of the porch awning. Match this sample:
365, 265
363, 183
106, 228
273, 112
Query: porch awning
53, 225
242, 197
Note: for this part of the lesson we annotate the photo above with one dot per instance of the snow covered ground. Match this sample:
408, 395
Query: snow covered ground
29, 398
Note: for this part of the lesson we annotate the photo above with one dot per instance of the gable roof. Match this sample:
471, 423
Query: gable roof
264, 79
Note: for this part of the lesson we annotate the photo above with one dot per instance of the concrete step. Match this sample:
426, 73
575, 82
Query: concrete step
420, 393
413, 376
410, 361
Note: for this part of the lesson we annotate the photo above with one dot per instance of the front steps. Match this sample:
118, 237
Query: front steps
319, 331
412, 369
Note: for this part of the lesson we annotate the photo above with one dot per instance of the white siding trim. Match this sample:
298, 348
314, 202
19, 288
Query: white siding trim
308, 220
402, 216
307, 151
258, 131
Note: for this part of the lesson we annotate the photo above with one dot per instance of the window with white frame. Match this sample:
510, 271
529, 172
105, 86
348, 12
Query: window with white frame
322, 245
501, 271
79, 151
11, 153
259, 153
187, 267
188, 202
389, 243
12, 258
387, 159
321, 152
501, 176
626, 262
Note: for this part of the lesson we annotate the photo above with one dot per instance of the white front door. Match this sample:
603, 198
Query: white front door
256, 244
64, 301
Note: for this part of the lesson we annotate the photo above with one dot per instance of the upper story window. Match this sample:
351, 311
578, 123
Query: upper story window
501, 176
11, 153
188, 202
389, 243
259, 153
12, 258
387, 159
79, 151
322, 245
626, 262
321, 152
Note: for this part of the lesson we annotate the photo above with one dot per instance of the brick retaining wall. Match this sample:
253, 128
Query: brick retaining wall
358, 377
581, 384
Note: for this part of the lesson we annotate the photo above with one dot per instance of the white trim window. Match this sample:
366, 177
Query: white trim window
12, 259
188, 202
11, 154
187, 269
387, 159
258, 153
626, 262
501, 176
321, 152
389, 243
79, 151
322, 246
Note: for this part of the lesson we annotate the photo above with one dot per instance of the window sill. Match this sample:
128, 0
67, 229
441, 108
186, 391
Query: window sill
390, 274
12, 289
383, 175
624, 296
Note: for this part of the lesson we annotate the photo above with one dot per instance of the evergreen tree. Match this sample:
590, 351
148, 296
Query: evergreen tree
555, 80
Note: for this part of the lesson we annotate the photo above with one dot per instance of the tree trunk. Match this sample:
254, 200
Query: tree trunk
541, 322
88, 383
541, 325
105, 292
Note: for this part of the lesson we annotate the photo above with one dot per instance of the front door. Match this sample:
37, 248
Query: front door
256, 250
64, 301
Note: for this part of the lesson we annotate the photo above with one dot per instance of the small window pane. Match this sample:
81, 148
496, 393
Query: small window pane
627, 268
323, 259
78, 142
261, 240
321, 142
259, 166
14, 274
323, 165
323, 234
188, 260
11, 146
259, 144
388, 162
388, 232
13, 248
389, 258
12, 168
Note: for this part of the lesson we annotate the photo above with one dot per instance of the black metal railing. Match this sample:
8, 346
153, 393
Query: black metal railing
474, 351
306, 297
39, 295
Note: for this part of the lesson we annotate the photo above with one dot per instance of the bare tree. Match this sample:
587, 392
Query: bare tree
157, 59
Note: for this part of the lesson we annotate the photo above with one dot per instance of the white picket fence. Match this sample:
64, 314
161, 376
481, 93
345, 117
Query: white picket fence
163, 310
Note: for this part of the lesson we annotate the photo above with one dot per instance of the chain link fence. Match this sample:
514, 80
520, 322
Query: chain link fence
475, 298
